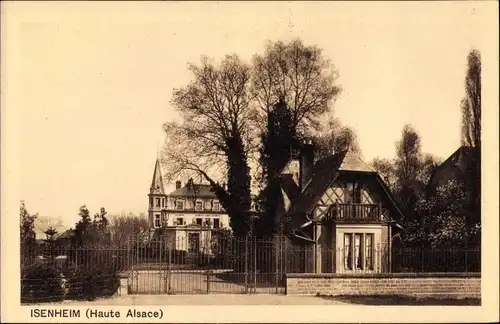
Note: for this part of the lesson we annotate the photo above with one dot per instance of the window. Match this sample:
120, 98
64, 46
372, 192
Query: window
347, 251
158, 202
215, 205
180, 221
157, 220
179, 205
207, 204
199, 221
207, 222
353, 193
198, 205
369, 251
358, 251
150, 202
357, 194
216, 223
164, 219
163, 202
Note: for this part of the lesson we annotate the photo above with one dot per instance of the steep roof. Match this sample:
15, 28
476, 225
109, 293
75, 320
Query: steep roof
455, 166
352, 162
325, 171
322, 175
191, 190
67, 234
289, 186
157, 182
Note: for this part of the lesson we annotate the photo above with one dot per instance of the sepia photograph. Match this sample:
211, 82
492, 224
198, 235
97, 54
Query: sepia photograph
248, 153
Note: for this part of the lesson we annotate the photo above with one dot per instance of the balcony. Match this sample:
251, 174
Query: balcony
354, 212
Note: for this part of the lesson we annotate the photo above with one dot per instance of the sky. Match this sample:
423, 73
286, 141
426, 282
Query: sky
91, 83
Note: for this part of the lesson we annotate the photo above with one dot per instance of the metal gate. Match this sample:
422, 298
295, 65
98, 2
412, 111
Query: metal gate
206, 262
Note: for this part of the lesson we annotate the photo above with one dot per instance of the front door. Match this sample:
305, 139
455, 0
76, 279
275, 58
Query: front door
194, 242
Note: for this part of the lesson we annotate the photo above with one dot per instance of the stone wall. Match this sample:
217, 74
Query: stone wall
444, 285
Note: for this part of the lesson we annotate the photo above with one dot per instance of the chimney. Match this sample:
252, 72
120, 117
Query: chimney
178, 185
306, 163
189, 184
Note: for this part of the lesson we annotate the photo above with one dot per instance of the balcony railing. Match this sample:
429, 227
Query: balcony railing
354, 212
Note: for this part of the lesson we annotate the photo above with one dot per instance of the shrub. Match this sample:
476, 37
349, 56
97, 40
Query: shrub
41, 282
92, 283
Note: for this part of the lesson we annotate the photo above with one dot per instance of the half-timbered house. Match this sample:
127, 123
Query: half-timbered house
341, 210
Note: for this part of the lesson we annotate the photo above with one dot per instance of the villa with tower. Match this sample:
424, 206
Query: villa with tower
337, 209
188, 215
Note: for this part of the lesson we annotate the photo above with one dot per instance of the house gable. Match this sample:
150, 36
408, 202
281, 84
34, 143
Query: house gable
292, 169
455, 167
328, 185
337, 193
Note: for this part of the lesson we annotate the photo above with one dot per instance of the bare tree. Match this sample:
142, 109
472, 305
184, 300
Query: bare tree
215, 135
471, 103
386, 170
300, 76
126, 226
332, 137
408, 155
43, 223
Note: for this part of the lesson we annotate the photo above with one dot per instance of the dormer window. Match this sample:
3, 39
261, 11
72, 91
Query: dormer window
198, 205
158, 202
179, 204
215, 205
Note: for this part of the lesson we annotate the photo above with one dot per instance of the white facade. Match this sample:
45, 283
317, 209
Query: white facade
189, 214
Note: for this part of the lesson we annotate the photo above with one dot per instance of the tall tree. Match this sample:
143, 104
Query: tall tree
332, 137
27, 228
215, 135
82, 226
277, 141
386, 170
299, 75
294, 86
408, 164
471, 129
91, 231
471, 103
126, 226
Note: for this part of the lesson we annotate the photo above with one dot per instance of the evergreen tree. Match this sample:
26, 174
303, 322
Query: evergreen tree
279, 139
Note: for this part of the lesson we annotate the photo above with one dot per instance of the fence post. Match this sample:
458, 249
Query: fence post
422, 258
169, 262
276, 265
255, 266
208, 281
466, 252
246, 264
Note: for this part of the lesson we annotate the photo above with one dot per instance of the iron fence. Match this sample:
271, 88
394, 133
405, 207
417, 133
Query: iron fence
212, 264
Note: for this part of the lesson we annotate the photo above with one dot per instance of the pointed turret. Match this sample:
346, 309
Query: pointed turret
157, 199
157, 183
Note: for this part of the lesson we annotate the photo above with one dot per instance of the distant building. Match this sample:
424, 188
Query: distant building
188, 215
459, 166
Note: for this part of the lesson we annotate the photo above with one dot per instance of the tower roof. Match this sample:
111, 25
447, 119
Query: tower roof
157, 182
